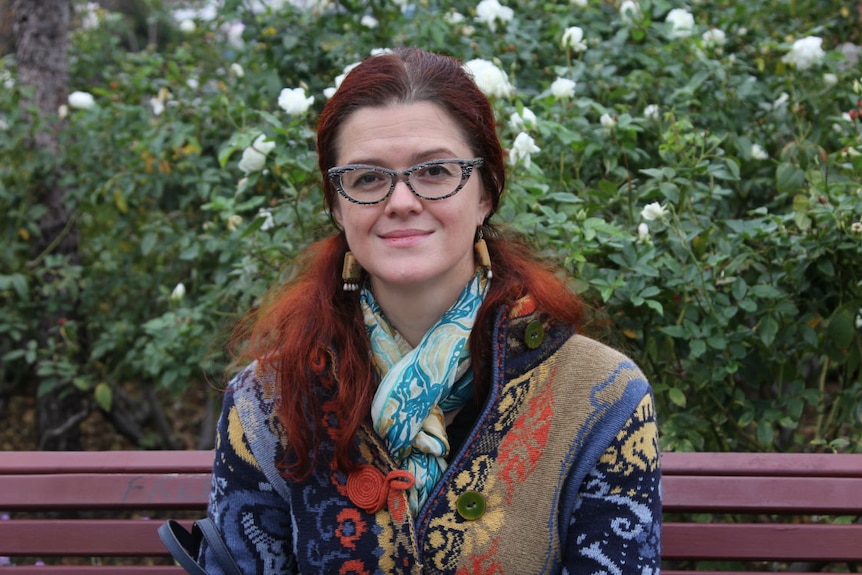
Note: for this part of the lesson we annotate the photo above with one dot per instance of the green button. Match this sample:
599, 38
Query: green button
534, 334
471, 505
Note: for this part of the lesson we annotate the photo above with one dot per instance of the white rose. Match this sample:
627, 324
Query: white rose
652, 112
254, 157
233, 33
522, 149
187, 26
758, 153
630, 11
681, 22
489, 11
237, 70
490, 79
294, 102
6, 79
578, 3
233, 222
526, 119
89, 15
714, 38
830, 79
573, 38
563, 88
63, 111
81, 100
453, 18
369, 21
157, 105
643, 232
608, 122
268, 222
653, 211
805, 53
179, 292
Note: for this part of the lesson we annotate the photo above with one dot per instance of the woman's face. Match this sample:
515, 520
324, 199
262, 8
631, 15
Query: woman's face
405, 242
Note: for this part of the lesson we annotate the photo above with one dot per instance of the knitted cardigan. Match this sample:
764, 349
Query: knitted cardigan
560, 474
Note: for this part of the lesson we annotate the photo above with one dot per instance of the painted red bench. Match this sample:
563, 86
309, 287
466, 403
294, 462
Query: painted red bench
67, 505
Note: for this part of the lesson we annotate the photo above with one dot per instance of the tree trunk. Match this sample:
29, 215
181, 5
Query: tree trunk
41, 49
7, 42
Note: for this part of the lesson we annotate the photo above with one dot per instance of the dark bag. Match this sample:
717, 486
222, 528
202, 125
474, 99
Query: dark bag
184, 546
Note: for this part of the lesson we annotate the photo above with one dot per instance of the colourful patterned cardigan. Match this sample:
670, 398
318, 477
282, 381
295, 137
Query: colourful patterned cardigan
560, 474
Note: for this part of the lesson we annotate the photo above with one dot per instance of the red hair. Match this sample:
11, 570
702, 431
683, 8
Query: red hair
310, 322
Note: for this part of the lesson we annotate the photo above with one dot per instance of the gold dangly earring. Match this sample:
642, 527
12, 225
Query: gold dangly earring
351, 272
481, 249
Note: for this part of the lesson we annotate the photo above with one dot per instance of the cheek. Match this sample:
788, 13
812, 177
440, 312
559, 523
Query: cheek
355, 220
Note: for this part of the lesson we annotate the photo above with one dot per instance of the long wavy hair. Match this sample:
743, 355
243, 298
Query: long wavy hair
310, 332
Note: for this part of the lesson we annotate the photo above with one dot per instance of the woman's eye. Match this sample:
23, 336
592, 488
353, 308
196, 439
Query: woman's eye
368, 179
435, 171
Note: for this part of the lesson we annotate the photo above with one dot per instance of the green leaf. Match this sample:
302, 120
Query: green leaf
767, 330
148, 243
252, 227
650, 291
104, 396
600, 225
766, 292
765, 433
788, 178
655, 305
676, 331
841, 329
676, 396
271, 119
81, 383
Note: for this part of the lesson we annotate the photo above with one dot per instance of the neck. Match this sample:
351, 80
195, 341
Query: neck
415, 310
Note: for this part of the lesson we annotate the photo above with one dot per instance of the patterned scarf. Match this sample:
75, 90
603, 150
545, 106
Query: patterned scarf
417, 385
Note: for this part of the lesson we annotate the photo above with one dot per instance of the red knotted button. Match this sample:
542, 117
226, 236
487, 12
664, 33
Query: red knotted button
368, 488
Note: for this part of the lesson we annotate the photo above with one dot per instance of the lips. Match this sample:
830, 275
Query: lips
404, 237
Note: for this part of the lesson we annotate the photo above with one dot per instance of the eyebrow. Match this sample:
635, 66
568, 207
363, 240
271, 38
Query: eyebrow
424, 156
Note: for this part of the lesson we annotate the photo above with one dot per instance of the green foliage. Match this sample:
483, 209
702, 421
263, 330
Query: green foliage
741, 299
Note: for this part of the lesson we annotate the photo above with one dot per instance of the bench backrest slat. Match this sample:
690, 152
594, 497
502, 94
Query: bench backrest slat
104, 491
765, 464
762, 542
84, 537
834, 496
63, 462
105, 570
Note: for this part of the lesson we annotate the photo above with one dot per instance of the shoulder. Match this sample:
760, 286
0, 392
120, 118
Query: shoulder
534, 338
250, 410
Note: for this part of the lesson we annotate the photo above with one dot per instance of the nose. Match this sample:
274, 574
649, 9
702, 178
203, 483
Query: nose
402, 200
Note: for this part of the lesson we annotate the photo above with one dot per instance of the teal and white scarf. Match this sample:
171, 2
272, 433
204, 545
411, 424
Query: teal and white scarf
418, 385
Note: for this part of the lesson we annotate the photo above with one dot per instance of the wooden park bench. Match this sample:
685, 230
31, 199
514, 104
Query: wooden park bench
751, 512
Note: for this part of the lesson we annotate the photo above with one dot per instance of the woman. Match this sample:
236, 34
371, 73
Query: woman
420, 400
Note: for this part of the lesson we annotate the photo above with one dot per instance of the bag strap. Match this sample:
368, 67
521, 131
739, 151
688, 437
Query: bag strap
183, 546
217, 546
179, 543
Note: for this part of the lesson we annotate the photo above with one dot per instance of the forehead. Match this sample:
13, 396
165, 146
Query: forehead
396, 133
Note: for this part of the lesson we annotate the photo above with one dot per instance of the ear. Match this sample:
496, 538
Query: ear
486, 206
336, 213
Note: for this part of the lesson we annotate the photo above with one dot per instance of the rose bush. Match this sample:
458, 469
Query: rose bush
698, 171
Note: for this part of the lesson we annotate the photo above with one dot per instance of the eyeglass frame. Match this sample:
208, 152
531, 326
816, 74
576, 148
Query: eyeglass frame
467, 166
